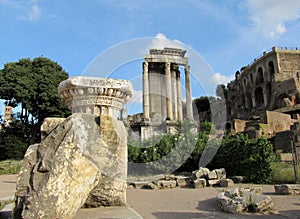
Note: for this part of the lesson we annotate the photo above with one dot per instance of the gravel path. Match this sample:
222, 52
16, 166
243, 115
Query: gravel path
183, 203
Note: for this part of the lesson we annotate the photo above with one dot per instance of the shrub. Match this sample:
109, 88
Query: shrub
251, 158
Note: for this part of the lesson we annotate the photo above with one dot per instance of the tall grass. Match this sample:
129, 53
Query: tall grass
283, 172
9, 167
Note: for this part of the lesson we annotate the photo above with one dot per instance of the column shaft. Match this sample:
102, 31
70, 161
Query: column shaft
174, 94
146, 105
179, 100
189, 109
169, 91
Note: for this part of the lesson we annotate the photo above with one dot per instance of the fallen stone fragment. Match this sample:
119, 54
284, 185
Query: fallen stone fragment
213, 182
164, 184
221, 173
239, 200
201, 173
287, 189
199, 183
183, 181
212, 175
226, 183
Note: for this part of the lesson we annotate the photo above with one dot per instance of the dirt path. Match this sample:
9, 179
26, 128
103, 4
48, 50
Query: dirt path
183, 203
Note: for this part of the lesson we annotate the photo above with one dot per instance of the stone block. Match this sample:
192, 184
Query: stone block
137, 185
287, 189
213, 182
212, 175
149, 186
183, 181
226, 183
199, 183
221, 173
201, 173
164, 184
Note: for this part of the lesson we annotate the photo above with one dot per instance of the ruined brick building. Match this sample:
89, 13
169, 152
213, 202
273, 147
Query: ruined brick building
264, 97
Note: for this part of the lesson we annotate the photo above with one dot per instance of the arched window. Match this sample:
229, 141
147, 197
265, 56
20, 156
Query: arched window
259, 98
260, 75
251, 78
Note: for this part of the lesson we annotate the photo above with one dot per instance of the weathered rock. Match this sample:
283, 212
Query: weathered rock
138, 185
212, 175
81, 159
213, 182
221, 173
164, 184
49, 124
201, 173
287, 189
199, 183
226, 183
239, 200
149, 186
238, 179
183, 181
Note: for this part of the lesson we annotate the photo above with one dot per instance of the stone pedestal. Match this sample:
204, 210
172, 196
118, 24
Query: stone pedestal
81, 160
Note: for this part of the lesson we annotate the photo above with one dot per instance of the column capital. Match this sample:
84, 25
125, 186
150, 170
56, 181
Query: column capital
187, 68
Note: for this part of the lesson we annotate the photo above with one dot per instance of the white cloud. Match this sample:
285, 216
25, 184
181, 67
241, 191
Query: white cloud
28, 10
270, 17
33, 14
160, 41
218, 78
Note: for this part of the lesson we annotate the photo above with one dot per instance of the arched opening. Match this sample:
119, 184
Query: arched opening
251, 78
260, 75
259, 98
249, 101
271, 69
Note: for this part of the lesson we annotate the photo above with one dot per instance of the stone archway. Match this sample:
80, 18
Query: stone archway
259, 97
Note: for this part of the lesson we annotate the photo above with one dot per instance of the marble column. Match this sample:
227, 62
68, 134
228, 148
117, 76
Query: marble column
179, 101
174, 92
146, 105
189, 109
169, 91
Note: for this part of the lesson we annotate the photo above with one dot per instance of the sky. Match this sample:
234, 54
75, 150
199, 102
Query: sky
226, 35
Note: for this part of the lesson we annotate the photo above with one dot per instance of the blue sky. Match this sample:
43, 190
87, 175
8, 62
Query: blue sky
227, 34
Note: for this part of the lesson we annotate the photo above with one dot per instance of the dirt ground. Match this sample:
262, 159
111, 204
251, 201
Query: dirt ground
183, 203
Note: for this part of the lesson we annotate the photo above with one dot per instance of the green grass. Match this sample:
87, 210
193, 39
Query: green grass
9, 167
283, 172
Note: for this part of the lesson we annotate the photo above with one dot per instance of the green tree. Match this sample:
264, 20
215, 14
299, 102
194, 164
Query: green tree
32, 85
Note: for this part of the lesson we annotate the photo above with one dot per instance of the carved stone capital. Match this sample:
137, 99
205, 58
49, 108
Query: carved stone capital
95, 95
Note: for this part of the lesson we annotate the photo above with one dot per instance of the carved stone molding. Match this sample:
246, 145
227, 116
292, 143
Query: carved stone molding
95, 95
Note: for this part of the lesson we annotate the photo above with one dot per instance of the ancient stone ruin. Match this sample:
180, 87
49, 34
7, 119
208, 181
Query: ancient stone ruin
162, 96
240, 200
81, 160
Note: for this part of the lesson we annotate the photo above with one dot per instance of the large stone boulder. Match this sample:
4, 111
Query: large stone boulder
81, 160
